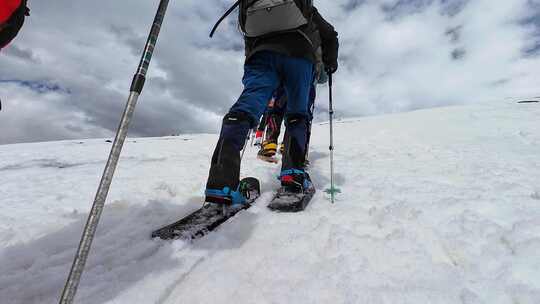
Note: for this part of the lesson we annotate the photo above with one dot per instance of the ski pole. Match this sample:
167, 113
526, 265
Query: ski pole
332, 191
77, 268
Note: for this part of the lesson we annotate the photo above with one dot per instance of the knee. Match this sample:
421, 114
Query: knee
235, 128
239, 118
296, 120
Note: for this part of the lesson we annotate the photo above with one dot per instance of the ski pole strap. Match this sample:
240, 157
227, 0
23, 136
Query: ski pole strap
227, 13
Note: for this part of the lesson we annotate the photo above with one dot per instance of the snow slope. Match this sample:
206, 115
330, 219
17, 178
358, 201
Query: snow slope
438, 206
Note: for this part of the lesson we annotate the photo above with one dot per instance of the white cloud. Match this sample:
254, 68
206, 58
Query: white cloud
395, 56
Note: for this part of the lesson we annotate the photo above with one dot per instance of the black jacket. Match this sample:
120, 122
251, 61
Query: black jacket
296, 45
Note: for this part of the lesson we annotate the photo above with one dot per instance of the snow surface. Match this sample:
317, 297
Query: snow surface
438, 206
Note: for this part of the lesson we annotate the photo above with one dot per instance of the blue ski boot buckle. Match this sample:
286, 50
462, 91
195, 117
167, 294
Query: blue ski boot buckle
235, 197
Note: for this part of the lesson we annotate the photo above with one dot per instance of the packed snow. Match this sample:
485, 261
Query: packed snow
437, 206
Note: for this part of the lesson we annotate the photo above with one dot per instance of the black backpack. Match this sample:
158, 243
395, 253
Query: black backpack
261, 18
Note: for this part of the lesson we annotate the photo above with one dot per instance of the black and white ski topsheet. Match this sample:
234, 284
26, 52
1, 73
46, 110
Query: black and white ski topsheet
207, 218
285, 201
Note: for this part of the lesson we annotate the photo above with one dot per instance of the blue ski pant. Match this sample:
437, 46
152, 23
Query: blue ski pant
263, 74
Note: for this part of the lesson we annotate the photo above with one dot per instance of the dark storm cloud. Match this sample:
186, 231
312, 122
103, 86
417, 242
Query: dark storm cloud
39, 87
22, 54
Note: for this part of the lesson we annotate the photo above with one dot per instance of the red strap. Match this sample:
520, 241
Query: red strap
287, 178
7, 7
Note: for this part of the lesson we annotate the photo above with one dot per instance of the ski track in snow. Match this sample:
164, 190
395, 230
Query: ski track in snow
437, 206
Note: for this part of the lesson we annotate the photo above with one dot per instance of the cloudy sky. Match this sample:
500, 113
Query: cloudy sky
68, 73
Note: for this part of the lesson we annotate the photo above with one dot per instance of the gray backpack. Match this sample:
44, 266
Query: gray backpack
263, 17
259, 18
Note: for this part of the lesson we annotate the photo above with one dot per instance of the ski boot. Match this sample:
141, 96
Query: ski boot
295, 181
248, 190
268, 152
230, 202
268, 149
295, 193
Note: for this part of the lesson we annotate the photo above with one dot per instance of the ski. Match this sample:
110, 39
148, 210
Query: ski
207, 218
285, 201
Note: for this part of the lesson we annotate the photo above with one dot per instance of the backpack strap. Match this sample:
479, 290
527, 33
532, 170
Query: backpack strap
227, 13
